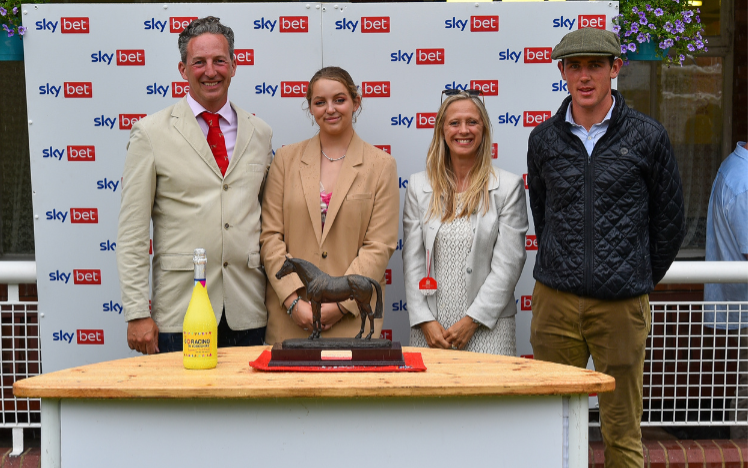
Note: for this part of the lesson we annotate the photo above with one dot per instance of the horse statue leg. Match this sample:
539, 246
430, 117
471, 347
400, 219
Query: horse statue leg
367, 312
316, 319
362, 312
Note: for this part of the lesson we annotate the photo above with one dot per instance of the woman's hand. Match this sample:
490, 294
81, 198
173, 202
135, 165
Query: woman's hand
303, 317
460, 333
434, 333
331, 314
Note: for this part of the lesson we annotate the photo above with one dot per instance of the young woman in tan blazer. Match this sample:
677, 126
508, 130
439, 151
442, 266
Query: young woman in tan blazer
332, 200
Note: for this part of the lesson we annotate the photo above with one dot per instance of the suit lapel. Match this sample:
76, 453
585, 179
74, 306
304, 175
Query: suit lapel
354, 157
432, 225
244, 132
309, 172
186, 124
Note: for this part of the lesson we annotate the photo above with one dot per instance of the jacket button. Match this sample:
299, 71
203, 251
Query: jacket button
469, 270
225, 264
225, 187
324, 254
226, 225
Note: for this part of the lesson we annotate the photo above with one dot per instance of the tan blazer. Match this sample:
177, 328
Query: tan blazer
360, 230
172, 178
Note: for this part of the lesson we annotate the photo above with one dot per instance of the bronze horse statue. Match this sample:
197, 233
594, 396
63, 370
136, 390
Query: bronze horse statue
323, 288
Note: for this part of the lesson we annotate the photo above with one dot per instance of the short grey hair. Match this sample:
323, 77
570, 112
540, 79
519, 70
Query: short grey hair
210, 25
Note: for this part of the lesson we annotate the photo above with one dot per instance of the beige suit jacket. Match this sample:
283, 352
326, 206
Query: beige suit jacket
360, 231
172, 178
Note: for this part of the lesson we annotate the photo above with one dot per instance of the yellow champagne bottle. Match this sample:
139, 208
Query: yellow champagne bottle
200, 330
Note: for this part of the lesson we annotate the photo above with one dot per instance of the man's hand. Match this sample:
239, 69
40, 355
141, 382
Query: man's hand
142, 335
434, 334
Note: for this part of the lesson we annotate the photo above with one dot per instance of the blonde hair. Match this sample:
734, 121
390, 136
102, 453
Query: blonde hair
442, 176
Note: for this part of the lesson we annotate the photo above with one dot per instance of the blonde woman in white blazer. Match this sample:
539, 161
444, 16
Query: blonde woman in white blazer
468, 220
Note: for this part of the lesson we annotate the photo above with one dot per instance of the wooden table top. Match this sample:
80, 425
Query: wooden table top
449, 373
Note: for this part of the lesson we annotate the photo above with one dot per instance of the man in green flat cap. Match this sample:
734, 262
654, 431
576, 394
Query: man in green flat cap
607, 204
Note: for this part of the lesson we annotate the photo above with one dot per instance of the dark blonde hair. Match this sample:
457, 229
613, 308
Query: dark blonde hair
336, 74
441, 173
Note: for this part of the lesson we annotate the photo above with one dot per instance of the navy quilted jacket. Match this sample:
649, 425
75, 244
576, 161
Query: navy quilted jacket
609, 225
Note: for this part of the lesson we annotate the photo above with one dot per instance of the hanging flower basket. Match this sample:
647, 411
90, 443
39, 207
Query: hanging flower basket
666, 30
11, 48
646, 52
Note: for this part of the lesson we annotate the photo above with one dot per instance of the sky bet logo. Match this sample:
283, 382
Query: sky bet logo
489, 87
477, 24
75, 153
67, 25
532, 55
176, 24
125, 57
84, 337
79, 276
423, 56
531, 242
73, 89
386, 148
369, 24
584, 21
560, 87
529, 118
77, 215
526, 303
286, 24
375, 89
126, 121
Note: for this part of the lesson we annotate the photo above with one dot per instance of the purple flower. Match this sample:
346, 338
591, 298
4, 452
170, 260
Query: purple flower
668, 26
5, 26
624, 48
699, 45
688, 20
687, 13
669, 42
676, 1
632, 47
10, 33
641, 38
644, 21
679, 26
3, 11
652, 26
659, 12
682, 58
22, 30
634, 28
691, 47
698, 20
15, 10
663, 46
649, 7
634, 10
616, 28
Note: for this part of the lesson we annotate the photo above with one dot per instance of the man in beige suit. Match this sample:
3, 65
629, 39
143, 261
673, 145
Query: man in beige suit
196, 169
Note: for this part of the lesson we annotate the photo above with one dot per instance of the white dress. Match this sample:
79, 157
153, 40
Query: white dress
452, 246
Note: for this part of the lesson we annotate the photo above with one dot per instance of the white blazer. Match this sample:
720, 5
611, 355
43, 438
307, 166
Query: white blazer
495, 260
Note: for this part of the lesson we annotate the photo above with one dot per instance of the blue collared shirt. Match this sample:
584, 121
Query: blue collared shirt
589, 139
727, 235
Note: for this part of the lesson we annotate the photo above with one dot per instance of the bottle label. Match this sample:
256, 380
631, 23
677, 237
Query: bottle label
198, 344
201, 281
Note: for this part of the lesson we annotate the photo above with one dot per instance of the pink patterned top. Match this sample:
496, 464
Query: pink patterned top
324, 202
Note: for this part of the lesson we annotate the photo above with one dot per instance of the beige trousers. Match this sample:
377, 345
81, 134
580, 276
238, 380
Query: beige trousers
568, 329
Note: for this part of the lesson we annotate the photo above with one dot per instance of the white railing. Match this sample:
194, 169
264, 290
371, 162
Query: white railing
21, 351
681, 351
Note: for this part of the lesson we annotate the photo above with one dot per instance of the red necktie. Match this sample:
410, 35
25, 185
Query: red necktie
216, 141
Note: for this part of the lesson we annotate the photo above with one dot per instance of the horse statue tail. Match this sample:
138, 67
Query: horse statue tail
378, 309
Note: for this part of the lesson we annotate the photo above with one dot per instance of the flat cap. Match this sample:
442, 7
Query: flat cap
587, 41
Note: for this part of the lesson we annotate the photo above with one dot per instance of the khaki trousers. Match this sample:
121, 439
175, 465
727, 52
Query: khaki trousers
568, 329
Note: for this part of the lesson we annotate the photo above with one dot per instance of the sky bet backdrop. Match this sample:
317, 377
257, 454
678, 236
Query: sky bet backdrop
94, 70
